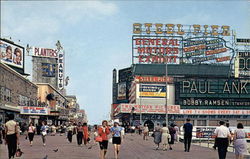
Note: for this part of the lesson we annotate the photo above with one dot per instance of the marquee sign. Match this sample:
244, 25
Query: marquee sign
179, 29
214, 93
175, 44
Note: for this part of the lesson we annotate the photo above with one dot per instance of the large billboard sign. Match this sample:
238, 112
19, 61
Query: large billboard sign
152, 91
214, 93
175, 44
11, 54
44, 52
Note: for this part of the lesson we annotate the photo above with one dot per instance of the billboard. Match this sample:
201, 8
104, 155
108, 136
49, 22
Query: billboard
152, 91
177, 43
242, 64
44, 52
34, 110
48, 70
11, 54
213, 93
121, 91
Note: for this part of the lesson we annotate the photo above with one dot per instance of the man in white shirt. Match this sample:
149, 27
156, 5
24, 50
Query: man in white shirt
222, 135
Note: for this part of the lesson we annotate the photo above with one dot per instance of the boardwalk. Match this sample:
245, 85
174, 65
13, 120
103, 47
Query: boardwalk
133, 148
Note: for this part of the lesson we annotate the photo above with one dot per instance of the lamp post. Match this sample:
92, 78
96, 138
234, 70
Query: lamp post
132, 116
166, 103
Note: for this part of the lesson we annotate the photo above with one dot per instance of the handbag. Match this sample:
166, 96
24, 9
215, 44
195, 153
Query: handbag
111, 140
18, 152
44, 133
98, 139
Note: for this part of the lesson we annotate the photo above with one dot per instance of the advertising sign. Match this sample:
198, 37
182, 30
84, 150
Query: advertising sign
34, 110
156, 49
60, 69
147, 109
215, 111
198, 50
152, 91
154, 79
48, 70
179, 29
242, 41
214, 93
205, 132
243, 59
177, 43
11, 54
121, 91
44, 52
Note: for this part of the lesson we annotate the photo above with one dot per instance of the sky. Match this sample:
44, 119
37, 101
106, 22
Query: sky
96, 35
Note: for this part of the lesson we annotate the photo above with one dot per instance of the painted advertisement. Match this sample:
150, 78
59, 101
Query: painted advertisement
242, 64
48, 70
152, 91
11, 54
121, 91
44, 52
147, 109
34, 110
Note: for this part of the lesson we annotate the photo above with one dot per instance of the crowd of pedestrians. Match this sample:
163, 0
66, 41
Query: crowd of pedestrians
164, 136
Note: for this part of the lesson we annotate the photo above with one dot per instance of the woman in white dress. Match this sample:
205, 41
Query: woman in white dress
165, 136
240, 143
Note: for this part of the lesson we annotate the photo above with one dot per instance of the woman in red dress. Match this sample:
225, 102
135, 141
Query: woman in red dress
103, 132
85, 133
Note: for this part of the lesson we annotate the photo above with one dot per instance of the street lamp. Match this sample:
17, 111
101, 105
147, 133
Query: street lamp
131, 116
166, 103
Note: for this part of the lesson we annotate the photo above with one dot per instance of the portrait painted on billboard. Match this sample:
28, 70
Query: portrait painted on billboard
11, 54
18, 56
122, 91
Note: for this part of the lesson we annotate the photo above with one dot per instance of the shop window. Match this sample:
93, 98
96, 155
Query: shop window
213, 122
244, 122
201, 122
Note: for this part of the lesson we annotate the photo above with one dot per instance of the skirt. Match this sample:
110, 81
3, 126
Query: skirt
116, 140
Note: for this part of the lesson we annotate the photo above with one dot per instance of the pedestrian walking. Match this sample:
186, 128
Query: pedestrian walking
172, 132
70, 132
103, 132
85, 134
79, 131
223, 135
240, 143
145, 132
12, 136
188, 129
157, 135
140, 129
176, 135
116, 138
53, 130
165, 136
44, 133
1, 133
31, 133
